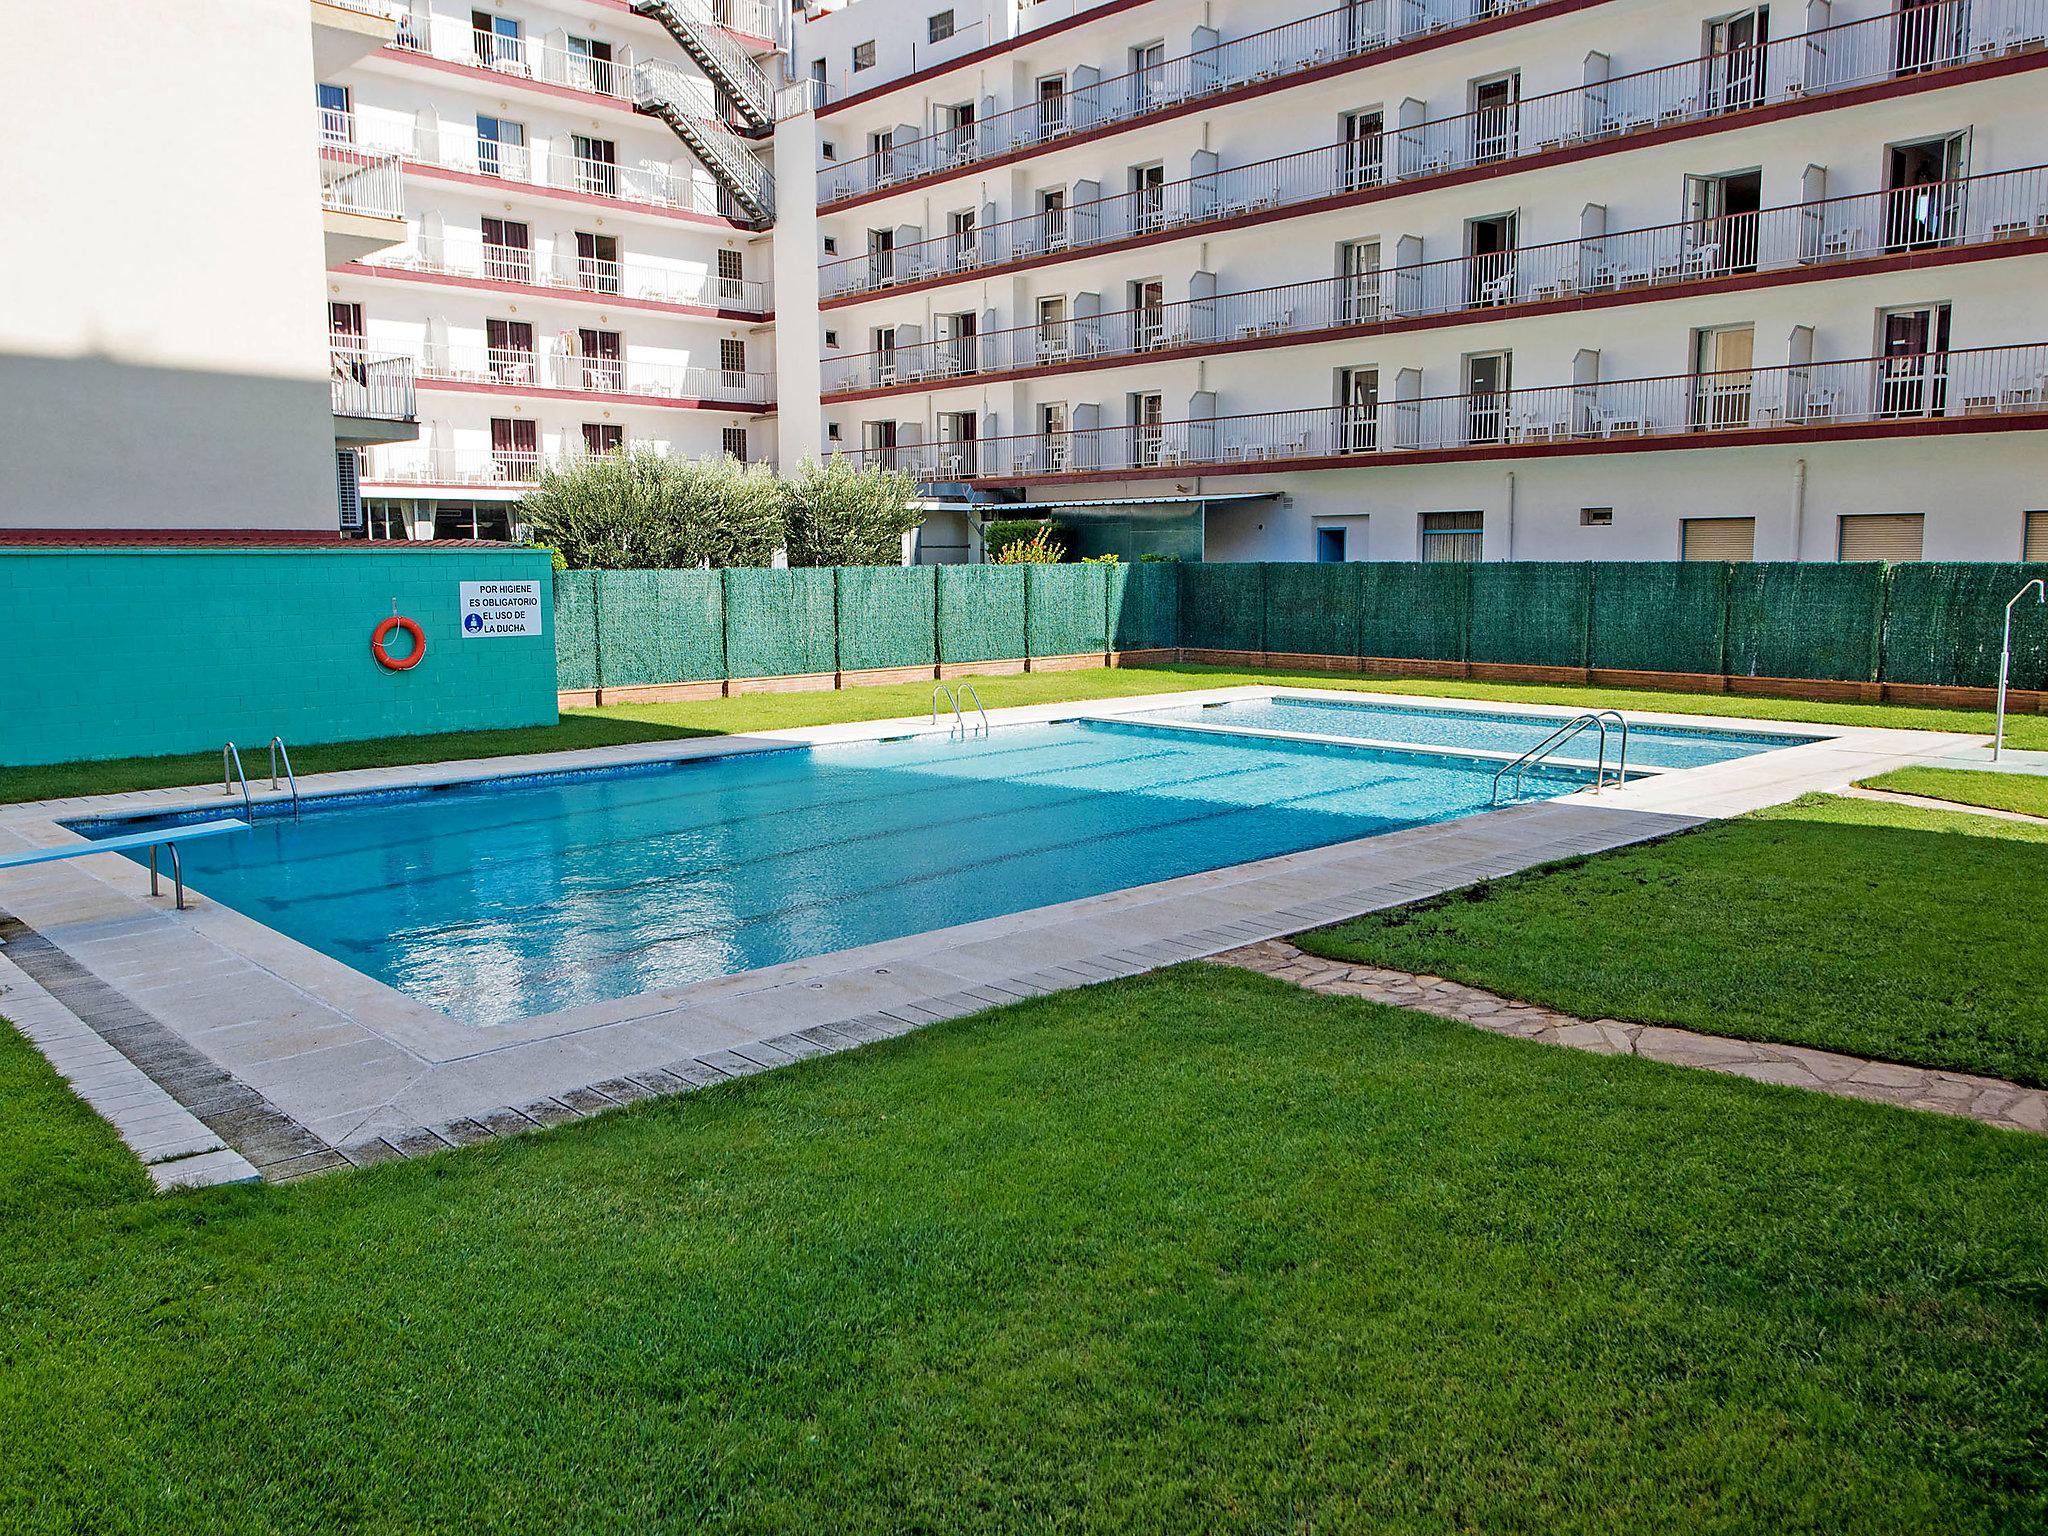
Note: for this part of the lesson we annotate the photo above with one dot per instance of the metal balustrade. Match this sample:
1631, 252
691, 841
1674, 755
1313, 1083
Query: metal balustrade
362, 385
1815, 397
412, 464
563, 368
584, 274
358, 180
1348, 32
688, 104
696, 26
1971, 211
525, 58
1926, 39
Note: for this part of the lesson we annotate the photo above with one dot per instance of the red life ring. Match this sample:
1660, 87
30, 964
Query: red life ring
383, 633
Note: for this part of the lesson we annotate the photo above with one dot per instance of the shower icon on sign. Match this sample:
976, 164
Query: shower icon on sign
473, 623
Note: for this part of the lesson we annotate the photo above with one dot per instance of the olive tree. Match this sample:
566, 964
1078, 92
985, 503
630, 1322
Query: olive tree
841, 513
646, 510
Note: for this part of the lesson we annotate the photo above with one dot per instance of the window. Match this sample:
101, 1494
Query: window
508, 351
1054, 443
1358, 410
2034, 542
590, 66
1453, 535
1358, 263
496, 41
1596, 517
515, 451
1148, 193
1148, 313
831, 246
1364, 149
1055, 344
603, 437
1490, 259
828, 149
1925, 202
388, 519
1486, 390
500, 146
939, 27
1148, 77
831, 338
1052, 218
469, 520
732, 284
1735, 59
1882, 536
1723, 211
863, 56
958, 350
337, 120
878, 442
345, 341
956, 133
1148, 428
957, 433
732, 354
597, 170
1723, 358
1052, 106
1496, 111
1913, 378
597, 262
602, 355
1330, 546
733, 440
960, 244
1717, 538
508, 251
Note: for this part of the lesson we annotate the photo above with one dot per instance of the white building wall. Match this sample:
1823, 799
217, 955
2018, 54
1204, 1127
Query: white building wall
162, 361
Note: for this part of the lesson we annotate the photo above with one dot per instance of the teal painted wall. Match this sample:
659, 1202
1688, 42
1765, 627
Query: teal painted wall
135, 653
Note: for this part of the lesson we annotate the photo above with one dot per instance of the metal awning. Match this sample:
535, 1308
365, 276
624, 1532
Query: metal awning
1033, 508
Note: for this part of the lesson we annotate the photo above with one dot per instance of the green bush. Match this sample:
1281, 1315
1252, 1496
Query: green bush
999, 533
1040, 549
846, 514
644, 510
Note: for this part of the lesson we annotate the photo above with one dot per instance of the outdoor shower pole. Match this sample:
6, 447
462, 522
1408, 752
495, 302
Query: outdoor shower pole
2005, 658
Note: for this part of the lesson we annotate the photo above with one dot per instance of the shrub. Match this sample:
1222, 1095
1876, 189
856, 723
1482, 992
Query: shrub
645, 510
1039, 549
846, 514
998, 533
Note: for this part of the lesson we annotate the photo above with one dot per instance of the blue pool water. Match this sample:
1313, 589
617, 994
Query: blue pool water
1649, 746
522, 896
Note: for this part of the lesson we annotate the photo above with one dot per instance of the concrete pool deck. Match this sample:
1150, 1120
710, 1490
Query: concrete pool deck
294, 1063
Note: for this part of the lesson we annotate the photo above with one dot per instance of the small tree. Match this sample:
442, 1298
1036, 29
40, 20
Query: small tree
644, 509
846, 514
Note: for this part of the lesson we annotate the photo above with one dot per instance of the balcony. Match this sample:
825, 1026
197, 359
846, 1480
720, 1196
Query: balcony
474, 469
362, 198
1597, 117
1351, 32
372, 396
1983, 389
657, 383
520, 58
568, 273
1800, 241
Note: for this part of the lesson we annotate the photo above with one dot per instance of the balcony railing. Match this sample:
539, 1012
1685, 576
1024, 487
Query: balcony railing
413, 464
1348, 32
524, 58
588, 274
1972, 211
361, 385
1984, 382
521, 368
750, 18
356, 180
1910, 43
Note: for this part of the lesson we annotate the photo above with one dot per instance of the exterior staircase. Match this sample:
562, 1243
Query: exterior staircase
694, 25
666, 91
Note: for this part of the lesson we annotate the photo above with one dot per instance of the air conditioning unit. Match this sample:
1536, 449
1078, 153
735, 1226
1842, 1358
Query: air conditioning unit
348, 488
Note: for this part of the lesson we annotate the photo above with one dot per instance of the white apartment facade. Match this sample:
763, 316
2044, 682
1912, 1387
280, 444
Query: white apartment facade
1498, 279
583, 262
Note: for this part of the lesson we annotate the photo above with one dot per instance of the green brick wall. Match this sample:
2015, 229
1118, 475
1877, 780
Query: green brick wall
131, 653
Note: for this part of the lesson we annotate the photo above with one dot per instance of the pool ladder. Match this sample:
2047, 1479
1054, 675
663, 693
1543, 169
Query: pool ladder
231, 773
1592, 719
952, 696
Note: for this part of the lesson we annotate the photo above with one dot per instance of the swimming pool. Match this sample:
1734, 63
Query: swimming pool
1649, 746
505, 898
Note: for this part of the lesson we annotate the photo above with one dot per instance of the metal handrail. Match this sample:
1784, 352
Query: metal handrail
277, 749
2005, 658
1621, 774
952, 698
1549, 744
968, 687
229, 752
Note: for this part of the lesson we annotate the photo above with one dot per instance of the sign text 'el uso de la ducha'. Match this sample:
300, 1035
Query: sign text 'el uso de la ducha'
491, 609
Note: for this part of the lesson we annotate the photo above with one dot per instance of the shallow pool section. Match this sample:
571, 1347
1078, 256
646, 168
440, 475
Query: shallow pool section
1649, 746
512, 897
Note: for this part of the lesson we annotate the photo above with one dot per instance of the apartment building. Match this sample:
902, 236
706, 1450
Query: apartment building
1431, 279
582, 261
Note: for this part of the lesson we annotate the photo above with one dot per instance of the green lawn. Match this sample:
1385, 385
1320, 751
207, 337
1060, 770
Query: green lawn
2026, 793
1197, 1251
1883, 930
758, 712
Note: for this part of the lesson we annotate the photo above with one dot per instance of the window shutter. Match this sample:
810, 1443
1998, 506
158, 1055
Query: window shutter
348, 486
1719, 538
2036, 546
1882, 536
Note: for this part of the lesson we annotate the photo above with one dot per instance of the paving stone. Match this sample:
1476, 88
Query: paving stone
326, 1160
418, 1141
464, 1132
507, 1122
662, 1083
366, 1153
586, 1101
729, 1064
547, 1112
798, 1046
697, 1074
203, 1171
624, 1090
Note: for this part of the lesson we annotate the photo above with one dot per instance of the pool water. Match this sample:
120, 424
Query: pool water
1649, 746
520, 896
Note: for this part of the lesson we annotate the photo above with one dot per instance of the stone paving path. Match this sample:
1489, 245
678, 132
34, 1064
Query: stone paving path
1929, 803
1989, 1099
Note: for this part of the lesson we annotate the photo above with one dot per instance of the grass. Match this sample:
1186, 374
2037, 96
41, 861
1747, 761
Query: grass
620, 723
1193, 1251
1881, 930
2026, 793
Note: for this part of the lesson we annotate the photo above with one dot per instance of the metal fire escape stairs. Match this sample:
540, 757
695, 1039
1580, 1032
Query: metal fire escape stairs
662, 90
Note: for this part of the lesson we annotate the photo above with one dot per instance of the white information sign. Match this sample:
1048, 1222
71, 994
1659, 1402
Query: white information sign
495, 608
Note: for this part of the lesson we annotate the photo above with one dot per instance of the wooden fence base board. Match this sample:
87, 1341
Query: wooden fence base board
1007, 668
879, 677
1081, 663
799, 682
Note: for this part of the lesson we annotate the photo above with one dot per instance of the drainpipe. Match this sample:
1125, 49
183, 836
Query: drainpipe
1799, 509
1511, 514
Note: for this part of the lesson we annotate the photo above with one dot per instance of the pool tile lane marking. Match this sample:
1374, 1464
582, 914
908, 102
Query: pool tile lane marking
1992, 1100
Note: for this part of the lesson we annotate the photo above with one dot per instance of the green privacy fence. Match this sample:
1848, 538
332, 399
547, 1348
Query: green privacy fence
1933, 624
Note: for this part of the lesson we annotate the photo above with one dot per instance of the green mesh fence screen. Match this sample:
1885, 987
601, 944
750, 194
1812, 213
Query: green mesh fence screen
1660, 616
575, 629
1530, 613
1943, 624
660, 627
1222, 607
888, 616
779, 623
1801, 619
1313, 609
1144, 606
981, 612
1066, 609
1414, 612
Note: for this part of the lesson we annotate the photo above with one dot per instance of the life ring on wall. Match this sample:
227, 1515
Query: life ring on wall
383, 633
